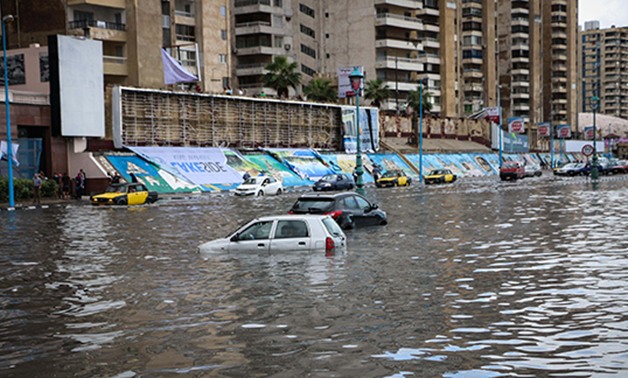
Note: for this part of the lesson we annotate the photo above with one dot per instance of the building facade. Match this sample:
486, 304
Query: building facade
195, 32
604, 69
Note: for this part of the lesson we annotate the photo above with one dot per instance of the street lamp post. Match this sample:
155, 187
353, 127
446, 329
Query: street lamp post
5, 20
356, 83
499, 123
420, 130
595, 174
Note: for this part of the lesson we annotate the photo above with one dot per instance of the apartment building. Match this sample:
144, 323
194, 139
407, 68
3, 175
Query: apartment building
133, 33
604, 69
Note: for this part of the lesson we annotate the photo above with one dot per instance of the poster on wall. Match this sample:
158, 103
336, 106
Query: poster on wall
516, 125
543, 129
306, 163
369, 129
344, 83
588, 132
515, 143
563, 131
15, 70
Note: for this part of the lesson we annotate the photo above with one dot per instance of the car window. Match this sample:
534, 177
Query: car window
313, 205
332, 226
291, 229
348, 203
256, 231
362, 203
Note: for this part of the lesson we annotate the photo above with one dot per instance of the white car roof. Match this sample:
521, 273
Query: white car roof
291, 216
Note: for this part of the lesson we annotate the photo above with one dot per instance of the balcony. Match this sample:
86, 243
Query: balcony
473, 74
115, 66
522, 96
473, 88
404, 64
410, 4
260, 50
254, 69
397, 44
521, 107
253, 6
258, 27
99, 30
184, 18
398, 21
117, 4
431, 42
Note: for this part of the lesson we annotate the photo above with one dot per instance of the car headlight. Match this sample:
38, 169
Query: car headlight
326, 184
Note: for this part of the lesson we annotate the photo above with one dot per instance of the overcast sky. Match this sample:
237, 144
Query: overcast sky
608, 12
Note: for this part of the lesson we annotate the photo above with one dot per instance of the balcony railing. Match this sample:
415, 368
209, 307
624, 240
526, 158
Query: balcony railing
114, 59
250, 24
82, 24
244, 3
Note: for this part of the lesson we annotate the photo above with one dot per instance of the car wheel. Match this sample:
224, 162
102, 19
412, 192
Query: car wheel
121, 201
442, 180
571, 173
383, 222
279, 191
350, 186
260, 193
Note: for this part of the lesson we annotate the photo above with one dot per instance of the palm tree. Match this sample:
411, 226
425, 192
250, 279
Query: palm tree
320, 89
376, 91
413, 102
282, 75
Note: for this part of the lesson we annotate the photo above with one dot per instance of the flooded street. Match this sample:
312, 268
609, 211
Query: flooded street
477, 279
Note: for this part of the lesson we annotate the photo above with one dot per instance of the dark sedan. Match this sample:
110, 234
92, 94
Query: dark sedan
336, 181
348, 209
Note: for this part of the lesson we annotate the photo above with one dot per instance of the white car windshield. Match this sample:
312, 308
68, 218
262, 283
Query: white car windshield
253, 181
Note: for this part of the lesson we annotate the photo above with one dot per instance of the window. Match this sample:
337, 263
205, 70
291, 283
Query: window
223, 11
185, 32
223, 34
306, 10
307, 70
349, 203
291, 229
363, 204
256, 231
307, 31
222, 58
473, 54
308, 51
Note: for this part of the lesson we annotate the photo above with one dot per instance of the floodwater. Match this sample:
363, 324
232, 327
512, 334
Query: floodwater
477, 279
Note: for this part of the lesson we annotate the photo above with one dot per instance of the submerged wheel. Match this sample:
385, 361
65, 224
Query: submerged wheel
279, 191
121, 201
260, 193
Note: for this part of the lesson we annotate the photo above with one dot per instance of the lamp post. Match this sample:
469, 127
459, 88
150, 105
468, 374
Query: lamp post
5, 20
499, 123
595, 174
356, 83
421, 130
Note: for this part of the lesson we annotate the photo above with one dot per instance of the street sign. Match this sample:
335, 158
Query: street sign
587, 150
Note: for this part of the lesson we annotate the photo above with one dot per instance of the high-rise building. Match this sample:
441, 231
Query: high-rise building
133, 34
604, 69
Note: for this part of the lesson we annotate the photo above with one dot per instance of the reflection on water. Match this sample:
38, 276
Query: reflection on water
478, 279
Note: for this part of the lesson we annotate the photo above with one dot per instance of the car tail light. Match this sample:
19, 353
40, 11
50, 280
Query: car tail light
329, 245
334, 214
290, 212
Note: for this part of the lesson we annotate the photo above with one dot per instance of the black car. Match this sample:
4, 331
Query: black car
348, 209
335, 181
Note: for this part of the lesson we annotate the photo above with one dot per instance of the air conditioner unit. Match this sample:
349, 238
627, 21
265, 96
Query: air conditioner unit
287, 47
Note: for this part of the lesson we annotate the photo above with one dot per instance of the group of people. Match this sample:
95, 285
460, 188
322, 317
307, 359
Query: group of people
64, 185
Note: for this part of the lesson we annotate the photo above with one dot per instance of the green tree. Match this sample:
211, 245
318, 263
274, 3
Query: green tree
320, 89
282, 75
413, 102
376, 91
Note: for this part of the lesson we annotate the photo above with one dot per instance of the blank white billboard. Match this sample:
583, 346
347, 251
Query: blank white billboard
81, 88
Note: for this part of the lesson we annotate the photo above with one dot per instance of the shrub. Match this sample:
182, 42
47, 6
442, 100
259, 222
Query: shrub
23, 188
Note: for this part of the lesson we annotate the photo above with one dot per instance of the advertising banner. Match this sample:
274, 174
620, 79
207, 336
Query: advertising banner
369, 129
516, 125
270, 166
198, 165
153, 177
514, 143
306, 163
492, 114
346, 164
543, 129
391, 162
344, 83
588, 132
563, 131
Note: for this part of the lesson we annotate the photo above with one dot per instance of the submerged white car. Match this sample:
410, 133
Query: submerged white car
259, 186
282, 233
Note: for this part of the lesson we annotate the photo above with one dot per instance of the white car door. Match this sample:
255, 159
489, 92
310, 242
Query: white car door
291, 235
252, 238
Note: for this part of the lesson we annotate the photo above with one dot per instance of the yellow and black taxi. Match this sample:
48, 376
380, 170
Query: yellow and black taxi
440, 176
395, 177
132, 193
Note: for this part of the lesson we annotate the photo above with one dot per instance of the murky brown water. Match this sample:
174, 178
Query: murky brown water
480, 279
